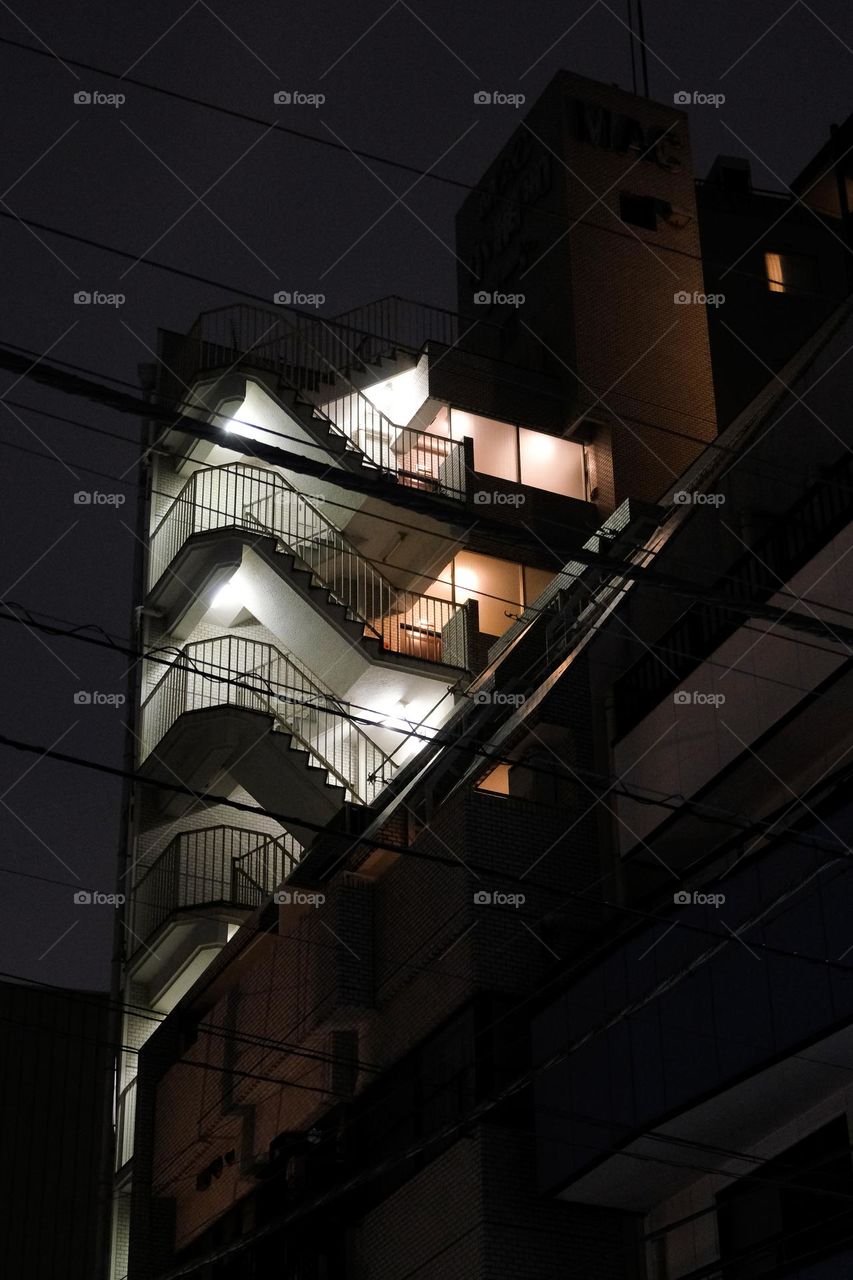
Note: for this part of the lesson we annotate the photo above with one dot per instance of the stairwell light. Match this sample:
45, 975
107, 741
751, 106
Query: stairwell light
226, 595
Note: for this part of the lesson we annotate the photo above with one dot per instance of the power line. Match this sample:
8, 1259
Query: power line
379, 564
380, 843
480, 1110
477, 747
396, 521
432, 175
437, 508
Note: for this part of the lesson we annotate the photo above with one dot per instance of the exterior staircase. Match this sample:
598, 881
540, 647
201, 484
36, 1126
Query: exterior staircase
244, 708
318, 364
292, 534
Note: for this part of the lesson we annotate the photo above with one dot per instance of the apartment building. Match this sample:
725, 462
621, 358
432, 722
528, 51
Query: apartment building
432, 749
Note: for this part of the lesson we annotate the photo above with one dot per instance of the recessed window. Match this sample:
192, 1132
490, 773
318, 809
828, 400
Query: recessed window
639, 211
522, 456
547, 462
790, 273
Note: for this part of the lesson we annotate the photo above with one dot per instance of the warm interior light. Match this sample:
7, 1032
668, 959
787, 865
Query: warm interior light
775, 272
466, 583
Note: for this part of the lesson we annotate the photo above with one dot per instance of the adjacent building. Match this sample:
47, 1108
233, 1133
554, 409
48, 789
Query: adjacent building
55, 1127
487, 657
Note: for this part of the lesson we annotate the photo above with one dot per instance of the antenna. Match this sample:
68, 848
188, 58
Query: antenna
641, 26
631, 37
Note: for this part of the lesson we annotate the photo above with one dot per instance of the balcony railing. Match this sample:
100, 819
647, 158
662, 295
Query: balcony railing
311, 356
214, 865
125, 1121
393, 322
756, 575
232, 671
262, 502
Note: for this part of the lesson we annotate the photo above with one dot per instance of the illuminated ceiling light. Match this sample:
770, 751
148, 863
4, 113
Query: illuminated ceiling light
226, 596
466, 583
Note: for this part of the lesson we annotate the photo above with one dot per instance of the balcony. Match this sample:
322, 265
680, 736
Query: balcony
311, 551
212, 867
719, 1012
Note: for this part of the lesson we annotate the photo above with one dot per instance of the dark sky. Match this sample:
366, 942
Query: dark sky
399, 80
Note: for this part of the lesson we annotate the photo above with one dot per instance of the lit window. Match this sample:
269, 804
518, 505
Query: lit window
790, 273
497, 781
547, 462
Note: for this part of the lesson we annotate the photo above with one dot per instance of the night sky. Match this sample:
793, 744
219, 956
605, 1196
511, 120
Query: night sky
399, 80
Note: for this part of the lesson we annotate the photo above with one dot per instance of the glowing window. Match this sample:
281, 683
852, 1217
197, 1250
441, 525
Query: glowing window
495, 443
548, 462
790, 273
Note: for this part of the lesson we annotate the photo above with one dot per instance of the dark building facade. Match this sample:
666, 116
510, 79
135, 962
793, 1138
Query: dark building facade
55, 1103
505, 934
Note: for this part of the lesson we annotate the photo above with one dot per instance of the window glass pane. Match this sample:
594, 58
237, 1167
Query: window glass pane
552, 464
495, 443
791, 273
494, 584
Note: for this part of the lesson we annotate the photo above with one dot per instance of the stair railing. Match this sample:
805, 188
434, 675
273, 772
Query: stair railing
253, 675
311, 356
218, 864
261, 500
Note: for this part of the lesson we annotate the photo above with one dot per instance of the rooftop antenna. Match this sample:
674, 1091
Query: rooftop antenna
641, 29
633, 55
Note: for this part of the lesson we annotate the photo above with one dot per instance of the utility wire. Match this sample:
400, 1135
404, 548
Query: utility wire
438, 508
396, 522
432, 175
439, 736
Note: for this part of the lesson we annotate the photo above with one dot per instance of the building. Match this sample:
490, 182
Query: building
55, 1130
431, 749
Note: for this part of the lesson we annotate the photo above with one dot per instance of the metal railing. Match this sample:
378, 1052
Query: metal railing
221, 864
125, 1122
394, 322
232, 671
311, 356
795, 537
262, 501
